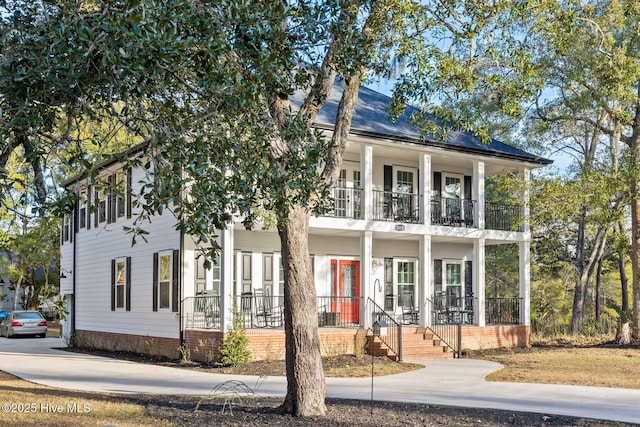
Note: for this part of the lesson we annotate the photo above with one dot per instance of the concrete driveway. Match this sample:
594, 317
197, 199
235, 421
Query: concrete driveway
457, 382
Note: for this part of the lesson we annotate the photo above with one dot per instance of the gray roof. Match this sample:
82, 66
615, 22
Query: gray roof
371, 118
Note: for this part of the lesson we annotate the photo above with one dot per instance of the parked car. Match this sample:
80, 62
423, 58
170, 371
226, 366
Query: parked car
3, 314
24, 322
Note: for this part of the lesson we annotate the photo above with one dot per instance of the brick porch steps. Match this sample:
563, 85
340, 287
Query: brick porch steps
417, 344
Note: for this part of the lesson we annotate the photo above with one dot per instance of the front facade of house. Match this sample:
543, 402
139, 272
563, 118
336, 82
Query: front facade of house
407, 237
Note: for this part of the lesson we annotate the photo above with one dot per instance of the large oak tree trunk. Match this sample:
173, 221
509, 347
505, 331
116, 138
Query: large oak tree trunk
305, 375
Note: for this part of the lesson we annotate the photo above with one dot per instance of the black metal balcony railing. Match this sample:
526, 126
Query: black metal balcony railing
453, 211
406, 208
339, 311
396, 207
503, 310
265, 311
202, 312
447, 309
501, 216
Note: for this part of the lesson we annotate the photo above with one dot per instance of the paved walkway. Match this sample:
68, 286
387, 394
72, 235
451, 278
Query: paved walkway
457, 382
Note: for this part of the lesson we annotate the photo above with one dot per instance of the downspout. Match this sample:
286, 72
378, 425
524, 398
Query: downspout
181, 331
75, 271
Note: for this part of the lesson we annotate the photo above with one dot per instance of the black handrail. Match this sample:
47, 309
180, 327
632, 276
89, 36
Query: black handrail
449, 332
393, 330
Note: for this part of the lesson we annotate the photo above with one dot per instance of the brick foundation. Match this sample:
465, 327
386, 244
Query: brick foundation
269, 344
153, 346
495, 336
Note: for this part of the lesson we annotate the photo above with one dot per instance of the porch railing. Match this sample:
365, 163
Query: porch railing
347, 202
453, 211
339, 312
447, 309
390, 330
406, 208
501, 216
396, 207
503, 310
201, 312
448, 332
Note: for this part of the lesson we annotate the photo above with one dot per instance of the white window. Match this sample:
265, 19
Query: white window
406, 278
216, 274
165, 277
82, 215
121, 280
404, 180
121, 284
453, 275
66, 227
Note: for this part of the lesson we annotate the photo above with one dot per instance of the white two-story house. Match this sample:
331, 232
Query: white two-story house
404, 247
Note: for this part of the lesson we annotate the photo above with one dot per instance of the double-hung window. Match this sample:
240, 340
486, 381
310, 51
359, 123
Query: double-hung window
166, 265
121, 284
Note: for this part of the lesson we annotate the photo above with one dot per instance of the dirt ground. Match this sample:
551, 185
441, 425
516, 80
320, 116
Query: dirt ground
242, 410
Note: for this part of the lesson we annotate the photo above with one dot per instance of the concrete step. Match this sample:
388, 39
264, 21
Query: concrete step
417, 344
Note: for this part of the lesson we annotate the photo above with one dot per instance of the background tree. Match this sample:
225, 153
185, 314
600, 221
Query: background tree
591, 50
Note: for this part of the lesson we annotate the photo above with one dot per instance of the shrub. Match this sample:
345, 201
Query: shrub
234, 350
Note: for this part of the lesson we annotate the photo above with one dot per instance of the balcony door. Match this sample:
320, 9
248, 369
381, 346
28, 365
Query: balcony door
405, 186
452, 198
346, 290
348, 193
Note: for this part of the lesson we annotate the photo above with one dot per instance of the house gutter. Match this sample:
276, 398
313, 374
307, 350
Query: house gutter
439, 144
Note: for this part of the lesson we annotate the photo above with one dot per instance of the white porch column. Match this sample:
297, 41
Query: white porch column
227, 285
478, 192
425, 188
366, 267
479, 280
366, 160
425, 282
525, 283
526, 176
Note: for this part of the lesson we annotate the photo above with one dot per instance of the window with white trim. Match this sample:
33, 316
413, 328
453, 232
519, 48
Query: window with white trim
121, 284
166, 280
165, 276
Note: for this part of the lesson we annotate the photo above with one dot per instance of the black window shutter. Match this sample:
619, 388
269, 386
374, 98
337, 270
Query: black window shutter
129, 186
88, 208
175, 281
96, 200
437, 274
467, 187
437, 183
128, 285
468, 278
76, 214
388, 178
155, 281
113, 285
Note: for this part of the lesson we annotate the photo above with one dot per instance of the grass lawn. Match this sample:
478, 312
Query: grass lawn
589, 365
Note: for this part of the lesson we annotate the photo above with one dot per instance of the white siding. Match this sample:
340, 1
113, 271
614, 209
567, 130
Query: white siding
95, 250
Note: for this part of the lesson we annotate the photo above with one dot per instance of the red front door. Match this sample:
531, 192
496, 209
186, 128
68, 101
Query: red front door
346, 290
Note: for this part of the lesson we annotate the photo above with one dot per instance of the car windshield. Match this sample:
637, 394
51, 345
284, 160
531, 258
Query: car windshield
27, 315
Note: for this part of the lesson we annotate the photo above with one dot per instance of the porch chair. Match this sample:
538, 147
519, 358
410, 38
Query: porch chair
405, 301
440, 308
266, 314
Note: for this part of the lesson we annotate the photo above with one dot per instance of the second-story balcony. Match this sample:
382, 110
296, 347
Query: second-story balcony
407, 208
